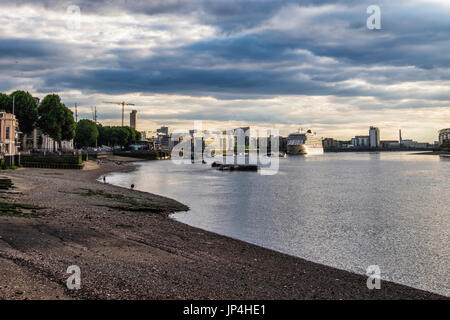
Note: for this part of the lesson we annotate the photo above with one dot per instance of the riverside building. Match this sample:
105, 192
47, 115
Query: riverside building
9, 133
374, 137
360, 142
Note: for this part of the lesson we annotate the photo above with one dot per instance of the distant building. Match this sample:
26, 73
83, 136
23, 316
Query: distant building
374, 137
245, 132
133, 119
411, 144
164, 142
244, 129
149, 135
390, 144
423, 145
163, 131
370, 141
328, 143
408, 143
360, 142
444, 136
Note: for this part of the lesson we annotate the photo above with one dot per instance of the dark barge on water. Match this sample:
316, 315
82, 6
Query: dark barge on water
234, 167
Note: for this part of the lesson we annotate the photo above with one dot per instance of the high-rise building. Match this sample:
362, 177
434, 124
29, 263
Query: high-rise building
374, 137
133, 119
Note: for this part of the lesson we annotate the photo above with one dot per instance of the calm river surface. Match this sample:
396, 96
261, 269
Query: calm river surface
346, 210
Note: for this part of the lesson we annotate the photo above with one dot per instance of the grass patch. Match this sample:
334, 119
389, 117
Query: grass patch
12, 209
18, 210
135, 204
124, 226
6, 184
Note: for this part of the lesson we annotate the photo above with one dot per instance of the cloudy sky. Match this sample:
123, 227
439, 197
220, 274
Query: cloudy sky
284, 64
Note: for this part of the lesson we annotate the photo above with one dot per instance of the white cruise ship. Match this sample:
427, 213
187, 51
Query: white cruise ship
307, 143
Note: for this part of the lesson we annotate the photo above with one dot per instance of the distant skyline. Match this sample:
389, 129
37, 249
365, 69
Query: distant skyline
283, 64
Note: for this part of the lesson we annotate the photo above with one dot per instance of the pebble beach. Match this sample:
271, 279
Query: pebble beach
128, 247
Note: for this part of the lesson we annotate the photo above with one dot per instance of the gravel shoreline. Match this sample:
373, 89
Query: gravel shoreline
127, 248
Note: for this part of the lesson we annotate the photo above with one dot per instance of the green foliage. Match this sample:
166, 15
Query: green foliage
52, 116
56, 120
134, 203
117, 136
86, 133
6, 184
68, 126
25, 109
5, 102
18, 210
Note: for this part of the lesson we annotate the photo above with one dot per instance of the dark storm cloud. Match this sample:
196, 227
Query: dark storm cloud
250, 54
25, 48
180, 80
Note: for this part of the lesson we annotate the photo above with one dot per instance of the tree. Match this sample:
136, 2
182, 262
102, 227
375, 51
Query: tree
101, 135
86, 133
25, 109
105, 135
117, 136
131, 135
68, 125
138, 135
5, 102
121, 135
55, 119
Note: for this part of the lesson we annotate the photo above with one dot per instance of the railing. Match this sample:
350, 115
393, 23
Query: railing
52, 161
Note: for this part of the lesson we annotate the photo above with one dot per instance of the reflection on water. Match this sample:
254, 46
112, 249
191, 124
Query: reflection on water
347, 210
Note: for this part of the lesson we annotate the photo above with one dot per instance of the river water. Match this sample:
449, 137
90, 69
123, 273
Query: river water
346, 210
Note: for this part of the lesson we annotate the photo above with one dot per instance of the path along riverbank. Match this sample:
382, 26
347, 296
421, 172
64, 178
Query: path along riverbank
128, 248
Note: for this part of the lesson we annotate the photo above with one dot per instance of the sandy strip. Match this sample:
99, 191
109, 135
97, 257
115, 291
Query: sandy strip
128, 254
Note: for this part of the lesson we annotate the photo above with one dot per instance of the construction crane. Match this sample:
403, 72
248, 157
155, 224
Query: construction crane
123, 103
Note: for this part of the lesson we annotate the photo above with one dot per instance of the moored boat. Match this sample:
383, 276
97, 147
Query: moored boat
307, 143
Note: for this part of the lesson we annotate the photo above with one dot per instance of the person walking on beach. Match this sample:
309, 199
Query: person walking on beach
104, 179
132, 187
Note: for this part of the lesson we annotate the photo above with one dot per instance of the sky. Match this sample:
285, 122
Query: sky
263, 63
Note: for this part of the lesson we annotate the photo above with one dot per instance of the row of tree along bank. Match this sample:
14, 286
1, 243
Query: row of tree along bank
51, 116
90, 134
56, 120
